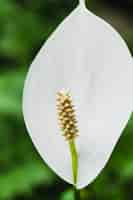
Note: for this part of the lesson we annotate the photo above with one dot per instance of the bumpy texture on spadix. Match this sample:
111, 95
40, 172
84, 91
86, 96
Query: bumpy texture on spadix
86, 55
66, 115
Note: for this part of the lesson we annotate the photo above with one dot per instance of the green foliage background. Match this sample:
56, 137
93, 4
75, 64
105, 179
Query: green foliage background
24, 26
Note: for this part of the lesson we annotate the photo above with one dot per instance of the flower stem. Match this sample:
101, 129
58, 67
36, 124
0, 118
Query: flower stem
74, 157
76, 194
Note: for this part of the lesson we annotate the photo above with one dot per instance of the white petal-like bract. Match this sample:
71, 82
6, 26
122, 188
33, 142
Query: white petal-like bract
86, 56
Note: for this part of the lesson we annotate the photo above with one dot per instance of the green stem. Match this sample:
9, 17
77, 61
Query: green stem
76, 194
74, 157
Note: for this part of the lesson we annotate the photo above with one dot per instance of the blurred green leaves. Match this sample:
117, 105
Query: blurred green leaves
11, 85
67, 195
21, 31
24, 178
21, 169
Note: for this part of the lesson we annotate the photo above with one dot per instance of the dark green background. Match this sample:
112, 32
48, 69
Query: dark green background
24, 26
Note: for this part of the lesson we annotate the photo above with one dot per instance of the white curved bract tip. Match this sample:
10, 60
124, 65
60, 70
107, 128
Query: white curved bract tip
86, 56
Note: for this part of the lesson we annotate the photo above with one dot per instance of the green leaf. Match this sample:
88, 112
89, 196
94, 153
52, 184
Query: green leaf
67, 195
11, 84
21, 179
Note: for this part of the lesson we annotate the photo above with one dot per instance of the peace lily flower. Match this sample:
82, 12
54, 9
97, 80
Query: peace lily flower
88, 58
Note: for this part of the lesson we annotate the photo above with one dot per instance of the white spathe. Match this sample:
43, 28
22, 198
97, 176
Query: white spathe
88, 57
